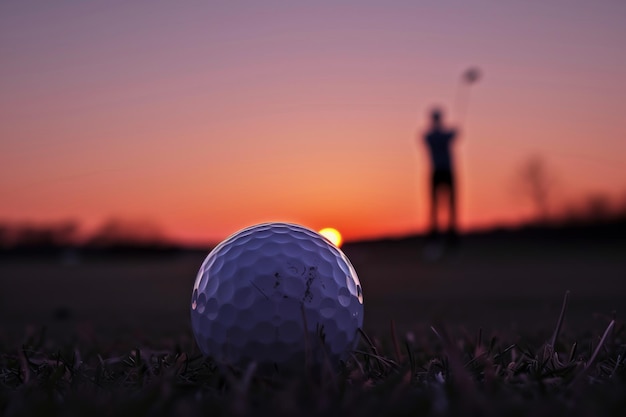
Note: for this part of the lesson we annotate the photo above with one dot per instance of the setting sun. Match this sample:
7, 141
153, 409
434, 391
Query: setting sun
333, 235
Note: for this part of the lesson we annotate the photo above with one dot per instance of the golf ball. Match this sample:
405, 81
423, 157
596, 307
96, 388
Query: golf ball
278, 294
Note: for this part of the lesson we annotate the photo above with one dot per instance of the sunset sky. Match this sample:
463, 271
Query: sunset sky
204, 117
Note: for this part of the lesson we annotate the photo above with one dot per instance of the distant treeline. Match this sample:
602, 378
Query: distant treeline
114, 235
594, 209
596, 215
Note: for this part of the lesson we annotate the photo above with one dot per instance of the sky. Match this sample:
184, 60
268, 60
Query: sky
208, 116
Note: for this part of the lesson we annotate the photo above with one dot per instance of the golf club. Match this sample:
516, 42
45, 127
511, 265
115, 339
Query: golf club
462, 97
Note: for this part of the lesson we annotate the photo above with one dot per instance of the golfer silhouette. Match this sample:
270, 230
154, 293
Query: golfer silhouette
439, 140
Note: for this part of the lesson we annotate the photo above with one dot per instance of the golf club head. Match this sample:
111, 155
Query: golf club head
471, 75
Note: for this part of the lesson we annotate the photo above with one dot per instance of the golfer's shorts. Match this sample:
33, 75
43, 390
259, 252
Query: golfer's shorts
443, 178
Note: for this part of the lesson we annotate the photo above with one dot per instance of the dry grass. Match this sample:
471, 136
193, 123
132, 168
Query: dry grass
431, 373
478, 333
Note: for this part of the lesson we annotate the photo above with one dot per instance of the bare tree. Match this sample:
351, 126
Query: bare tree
538, 184
599, 208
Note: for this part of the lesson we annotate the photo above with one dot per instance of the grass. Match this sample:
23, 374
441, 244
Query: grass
112, 338
429, 373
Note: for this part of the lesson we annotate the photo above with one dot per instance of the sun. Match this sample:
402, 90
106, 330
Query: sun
333, 235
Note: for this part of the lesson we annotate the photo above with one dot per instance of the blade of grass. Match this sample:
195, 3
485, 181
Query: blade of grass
25, 367
582, 373
411, 358
394, 340
572, 352
559, 323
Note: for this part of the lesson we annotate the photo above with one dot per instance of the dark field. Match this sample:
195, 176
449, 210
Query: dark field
495, 297
494, 282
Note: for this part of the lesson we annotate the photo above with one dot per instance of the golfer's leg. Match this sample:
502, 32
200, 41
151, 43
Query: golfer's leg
433, 208
452, 202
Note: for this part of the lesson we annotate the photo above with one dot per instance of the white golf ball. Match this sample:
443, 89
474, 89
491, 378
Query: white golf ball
278, 294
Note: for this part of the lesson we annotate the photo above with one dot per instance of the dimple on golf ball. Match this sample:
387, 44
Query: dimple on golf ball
277, 294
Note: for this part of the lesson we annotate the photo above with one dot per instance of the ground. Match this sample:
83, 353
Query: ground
486, 281
510, 286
